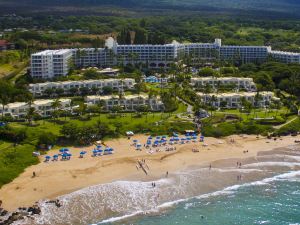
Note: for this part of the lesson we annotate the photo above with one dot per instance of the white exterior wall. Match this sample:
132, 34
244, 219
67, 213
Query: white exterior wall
44, 64
50, 63
285, 57
129, 103
239, 82
42, 107
117, 84
233, 100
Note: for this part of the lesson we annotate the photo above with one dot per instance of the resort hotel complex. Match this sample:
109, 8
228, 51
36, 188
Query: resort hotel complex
46, 107
127, 102
118, 94
43, 107
235, 99
235, 82
52, 63
39, 89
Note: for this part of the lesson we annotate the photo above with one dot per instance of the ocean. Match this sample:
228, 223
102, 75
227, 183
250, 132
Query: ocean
264, 190
275, 201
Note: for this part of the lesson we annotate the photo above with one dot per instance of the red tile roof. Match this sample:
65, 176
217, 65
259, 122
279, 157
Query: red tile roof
3, 42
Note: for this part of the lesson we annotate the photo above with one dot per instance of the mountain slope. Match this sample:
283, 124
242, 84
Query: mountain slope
281, 6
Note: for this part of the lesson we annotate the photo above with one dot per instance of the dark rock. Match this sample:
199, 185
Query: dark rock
3, 213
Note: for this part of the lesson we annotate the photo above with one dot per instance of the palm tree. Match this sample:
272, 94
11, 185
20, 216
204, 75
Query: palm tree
31, 110
56, 105
257, 99
213, 100
100, 105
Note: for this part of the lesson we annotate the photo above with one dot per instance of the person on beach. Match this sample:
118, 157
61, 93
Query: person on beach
167, 173
33, 174
209, 166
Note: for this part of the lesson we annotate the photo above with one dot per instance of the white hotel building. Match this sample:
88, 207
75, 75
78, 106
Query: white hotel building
38, 89
43, 107
127, 102
239, 82
51, 63
285, 57
233, 99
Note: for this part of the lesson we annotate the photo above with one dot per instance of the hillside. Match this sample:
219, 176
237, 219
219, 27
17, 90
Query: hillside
288, 7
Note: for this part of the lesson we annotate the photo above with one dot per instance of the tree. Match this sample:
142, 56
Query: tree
47, 138
107, 90
30, 114
207, 72
140, 36
6, 92
90, 74
264, 81
56, 105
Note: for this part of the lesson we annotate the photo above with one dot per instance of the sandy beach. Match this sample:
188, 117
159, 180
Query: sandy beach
54, 179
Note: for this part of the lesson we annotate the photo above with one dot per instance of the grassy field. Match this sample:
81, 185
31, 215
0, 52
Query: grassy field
13, 160
128, 121
259, 113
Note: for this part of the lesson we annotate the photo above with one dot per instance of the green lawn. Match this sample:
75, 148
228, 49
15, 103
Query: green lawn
13, 160
258, 113
129, 121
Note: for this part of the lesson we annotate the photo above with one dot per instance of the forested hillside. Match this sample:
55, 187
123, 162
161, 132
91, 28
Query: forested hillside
287, 7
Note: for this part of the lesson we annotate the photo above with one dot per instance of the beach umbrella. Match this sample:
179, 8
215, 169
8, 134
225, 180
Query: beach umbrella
164, 136
83, 152
61, 150
69, 155
95, 151
148, 142
158, 137
176, 138
48, 157
55, 156
150, 137
135, 141
183, 139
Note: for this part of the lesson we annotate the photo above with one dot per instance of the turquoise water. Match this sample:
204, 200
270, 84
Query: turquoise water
276, 203
268, 192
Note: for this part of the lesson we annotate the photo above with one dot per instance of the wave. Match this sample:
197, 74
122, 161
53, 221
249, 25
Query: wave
121, 200
226, 191
273, 164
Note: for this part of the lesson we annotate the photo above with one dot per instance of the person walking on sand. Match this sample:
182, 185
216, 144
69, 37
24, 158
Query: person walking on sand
167, 173
33, 174
209, 166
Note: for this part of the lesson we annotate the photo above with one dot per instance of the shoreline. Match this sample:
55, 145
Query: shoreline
55, 179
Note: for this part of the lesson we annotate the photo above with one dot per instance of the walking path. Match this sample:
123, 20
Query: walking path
282, 125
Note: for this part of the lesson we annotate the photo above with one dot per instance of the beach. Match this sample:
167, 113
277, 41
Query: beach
54, 179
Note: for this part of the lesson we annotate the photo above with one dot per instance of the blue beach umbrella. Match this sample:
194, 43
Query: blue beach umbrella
150, 137
48, 157
135, 141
